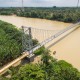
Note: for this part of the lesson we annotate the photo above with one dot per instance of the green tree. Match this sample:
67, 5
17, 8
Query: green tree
48, 69
29, 72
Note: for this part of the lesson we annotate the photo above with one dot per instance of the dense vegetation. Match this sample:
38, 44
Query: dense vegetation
48, 69
10, 42
52, 13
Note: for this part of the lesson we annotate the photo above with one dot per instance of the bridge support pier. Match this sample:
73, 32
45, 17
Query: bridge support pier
31, 57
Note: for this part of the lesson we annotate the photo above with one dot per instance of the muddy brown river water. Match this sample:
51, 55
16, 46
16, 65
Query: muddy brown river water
67, 49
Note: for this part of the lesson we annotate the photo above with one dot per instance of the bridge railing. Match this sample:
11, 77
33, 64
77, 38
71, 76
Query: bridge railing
54, 36
66, 29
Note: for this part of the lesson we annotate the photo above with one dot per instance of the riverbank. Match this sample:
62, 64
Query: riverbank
65, 14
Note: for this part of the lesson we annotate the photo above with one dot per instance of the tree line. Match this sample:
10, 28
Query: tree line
65, 14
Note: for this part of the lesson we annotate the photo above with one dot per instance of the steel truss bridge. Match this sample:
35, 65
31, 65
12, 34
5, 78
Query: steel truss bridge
44, 37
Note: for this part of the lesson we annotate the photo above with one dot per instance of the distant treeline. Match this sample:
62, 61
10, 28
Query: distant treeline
65, 14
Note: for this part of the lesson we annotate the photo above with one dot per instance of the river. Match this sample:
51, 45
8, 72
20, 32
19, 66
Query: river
67, 49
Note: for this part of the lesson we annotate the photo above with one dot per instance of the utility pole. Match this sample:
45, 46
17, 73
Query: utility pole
23, 5
78, 4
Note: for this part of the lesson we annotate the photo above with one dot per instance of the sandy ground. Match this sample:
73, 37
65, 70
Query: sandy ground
67, 49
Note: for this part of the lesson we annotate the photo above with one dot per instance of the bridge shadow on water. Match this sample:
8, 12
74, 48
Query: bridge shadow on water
62, 38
